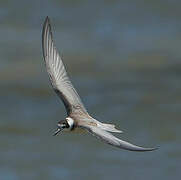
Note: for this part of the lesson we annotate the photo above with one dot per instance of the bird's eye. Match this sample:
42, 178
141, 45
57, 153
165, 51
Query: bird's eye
63, 125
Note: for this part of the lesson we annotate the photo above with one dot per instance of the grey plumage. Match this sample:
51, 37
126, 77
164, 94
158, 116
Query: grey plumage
78, 116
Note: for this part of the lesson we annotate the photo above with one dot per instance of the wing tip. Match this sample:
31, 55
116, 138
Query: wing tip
46, 32
147, 149
138, 148
47, 20
46, 23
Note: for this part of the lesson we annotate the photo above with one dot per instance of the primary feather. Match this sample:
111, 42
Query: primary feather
57, 73
112, 140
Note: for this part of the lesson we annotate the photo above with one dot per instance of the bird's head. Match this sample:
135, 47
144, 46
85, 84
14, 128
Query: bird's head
68, 124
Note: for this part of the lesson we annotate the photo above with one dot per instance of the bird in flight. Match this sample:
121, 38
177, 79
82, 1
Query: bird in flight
77, 115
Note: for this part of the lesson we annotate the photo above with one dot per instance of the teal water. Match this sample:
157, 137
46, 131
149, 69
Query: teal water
124, 59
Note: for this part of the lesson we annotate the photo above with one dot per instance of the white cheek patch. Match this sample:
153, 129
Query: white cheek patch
70, 121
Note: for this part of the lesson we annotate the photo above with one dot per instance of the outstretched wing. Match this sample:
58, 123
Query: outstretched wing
57, 73
112, 140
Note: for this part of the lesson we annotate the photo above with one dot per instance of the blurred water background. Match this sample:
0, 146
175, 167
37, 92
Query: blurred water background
124, 58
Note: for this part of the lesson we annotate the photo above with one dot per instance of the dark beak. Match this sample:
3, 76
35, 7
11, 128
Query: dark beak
57, 131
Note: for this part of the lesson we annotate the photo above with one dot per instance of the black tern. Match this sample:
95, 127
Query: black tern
78, 117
